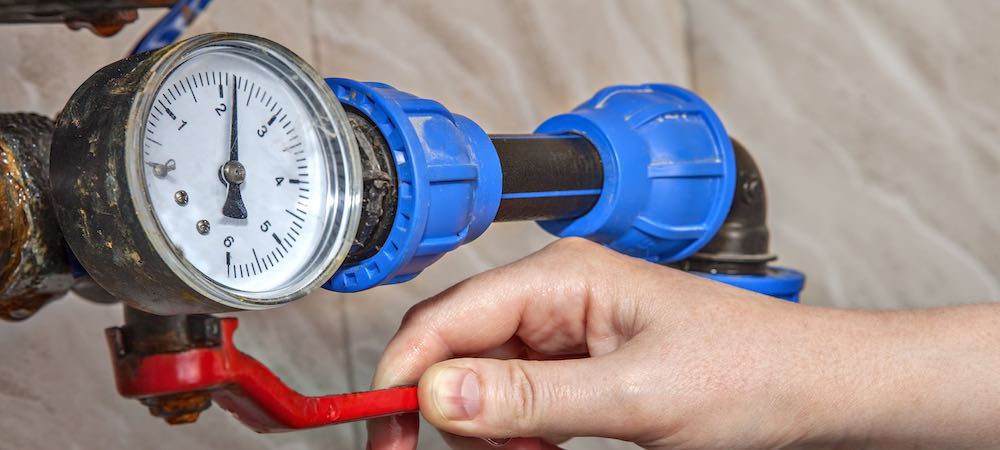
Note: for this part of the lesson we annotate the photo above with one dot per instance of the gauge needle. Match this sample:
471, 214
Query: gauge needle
233, 172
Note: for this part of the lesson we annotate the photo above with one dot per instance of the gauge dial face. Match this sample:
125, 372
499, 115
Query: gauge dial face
237, 169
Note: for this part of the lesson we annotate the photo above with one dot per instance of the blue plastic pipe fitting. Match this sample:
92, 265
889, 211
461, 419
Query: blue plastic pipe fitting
668, 180
779, 282
669, 171
448, 177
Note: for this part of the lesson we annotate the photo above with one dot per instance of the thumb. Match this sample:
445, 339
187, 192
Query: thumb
517, 398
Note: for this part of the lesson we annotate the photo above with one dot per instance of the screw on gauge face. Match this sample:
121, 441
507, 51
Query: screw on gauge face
203, 226
181, 197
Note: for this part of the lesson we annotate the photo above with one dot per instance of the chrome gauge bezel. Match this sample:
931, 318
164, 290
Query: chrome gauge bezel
343, 193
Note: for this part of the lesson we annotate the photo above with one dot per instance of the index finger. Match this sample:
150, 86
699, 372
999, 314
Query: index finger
546, 299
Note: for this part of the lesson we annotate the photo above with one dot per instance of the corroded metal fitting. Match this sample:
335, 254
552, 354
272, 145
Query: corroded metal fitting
179, 409
34, 266
145, 335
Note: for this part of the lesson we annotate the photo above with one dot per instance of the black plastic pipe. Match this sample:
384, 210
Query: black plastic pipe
547, 177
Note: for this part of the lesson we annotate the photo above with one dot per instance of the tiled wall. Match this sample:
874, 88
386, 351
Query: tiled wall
875, 123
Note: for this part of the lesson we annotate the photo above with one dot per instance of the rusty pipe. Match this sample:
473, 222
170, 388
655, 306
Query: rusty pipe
34, 264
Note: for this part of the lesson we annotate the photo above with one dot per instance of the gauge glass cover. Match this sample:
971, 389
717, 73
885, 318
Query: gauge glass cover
245, 163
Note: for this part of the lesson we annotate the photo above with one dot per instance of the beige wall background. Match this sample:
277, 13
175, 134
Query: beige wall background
876, 124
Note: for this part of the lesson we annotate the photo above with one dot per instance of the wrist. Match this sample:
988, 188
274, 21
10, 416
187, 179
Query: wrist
905, 377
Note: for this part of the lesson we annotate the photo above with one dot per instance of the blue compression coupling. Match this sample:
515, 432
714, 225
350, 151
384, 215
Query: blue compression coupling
669, 171
779, 282
449, 182
668, 178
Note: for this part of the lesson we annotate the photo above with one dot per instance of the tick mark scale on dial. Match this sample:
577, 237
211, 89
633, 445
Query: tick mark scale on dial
220, 89
170, 113
269, 122
256, 259
153, 141
192, 91
292, 146
295, 215
278, 240
229, 258
290, 237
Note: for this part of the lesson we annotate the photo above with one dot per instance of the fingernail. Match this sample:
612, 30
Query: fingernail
456, 393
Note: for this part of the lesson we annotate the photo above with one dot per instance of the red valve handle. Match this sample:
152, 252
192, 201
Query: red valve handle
249, 390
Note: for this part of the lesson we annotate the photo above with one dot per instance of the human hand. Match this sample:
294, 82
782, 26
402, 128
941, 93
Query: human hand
612, 346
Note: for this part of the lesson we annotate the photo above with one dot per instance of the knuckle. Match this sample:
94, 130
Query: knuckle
572, 244
523, 399
571, 253
414, 315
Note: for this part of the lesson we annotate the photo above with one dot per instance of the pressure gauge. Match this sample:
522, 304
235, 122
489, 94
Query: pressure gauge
218, 173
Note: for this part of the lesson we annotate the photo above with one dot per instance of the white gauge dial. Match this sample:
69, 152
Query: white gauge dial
238, 174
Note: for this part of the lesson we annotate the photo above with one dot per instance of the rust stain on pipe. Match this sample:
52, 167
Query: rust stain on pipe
14, 223
33, 264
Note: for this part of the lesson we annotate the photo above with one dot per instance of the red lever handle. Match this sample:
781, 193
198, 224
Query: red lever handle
245, 387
